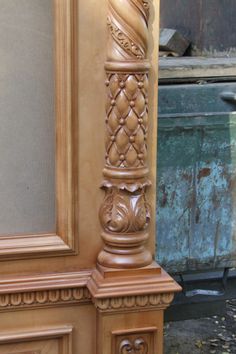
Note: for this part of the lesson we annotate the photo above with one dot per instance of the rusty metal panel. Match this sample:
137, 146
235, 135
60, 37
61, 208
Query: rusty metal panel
196, 202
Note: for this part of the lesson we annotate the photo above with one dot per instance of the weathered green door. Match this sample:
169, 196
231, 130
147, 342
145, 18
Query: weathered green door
196, 213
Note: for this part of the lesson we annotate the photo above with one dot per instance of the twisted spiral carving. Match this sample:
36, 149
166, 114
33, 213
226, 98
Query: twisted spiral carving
128, 26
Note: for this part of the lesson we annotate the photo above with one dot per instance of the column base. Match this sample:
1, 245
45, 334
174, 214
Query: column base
135, 300
128, 259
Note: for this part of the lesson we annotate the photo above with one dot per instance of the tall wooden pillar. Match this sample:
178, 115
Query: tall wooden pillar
129, 290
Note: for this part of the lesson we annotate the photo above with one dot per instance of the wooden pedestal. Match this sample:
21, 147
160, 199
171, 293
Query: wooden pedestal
130, 306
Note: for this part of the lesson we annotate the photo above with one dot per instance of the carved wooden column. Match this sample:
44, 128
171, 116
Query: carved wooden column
129, 290
125, 212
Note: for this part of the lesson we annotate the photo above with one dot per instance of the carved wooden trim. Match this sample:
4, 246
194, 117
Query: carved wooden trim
44, 291
134, 303
125, 212
138, 345
139, 341
64, 240
18, 293
64, 334
46, 298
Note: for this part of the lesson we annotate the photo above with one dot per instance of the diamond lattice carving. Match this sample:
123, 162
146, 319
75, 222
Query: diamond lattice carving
126, 121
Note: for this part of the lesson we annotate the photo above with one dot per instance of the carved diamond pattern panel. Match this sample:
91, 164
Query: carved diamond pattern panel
126, 121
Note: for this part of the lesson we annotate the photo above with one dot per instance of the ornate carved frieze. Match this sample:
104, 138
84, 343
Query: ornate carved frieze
125, 212
53, 297
131, 303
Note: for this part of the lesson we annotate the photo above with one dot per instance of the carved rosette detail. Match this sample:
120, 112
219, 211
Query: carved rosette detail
136, 346
125, 213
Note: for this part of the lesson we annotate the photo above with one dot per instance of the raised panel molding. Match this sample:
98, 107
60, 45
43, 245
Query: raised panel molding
57, 340
64, 241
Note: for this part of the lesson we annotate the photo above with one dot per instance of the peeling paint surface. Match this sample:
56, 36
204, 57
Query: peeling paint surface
196, 199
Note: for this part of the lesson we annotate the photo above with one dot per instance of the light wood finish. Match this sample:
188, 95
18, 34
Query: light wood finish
65, 239
125, 212
90, 36
44, 341
141, 333
70, 328
129, 290
111, 309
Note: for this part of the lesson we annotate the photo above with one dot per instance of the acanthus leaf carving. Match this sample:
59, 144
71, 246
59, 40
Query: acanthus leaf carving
124, 212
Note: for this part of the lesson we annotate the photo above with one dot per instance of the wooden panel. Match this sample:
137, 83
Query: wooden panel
126, 304
138, 332
27, 134
39, 347
90, 157
138, 340
71, 329
47, 341
64, 240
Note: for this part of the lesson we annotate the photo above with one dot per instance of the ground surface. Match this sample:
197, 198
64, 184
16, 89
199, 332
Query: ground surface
211, 335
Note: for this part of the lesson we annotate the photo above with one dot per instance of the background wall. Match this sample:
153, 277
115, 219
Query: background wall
209, 24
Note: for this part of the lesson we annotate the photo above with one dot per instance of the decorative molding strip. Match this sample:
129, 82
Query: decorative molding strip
125, 213
49, 290
44, 298
134, 302
79, 288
